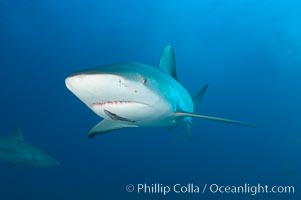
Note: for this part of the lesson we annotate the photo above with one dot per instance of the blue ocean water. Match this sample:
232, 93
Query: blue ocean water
249, 52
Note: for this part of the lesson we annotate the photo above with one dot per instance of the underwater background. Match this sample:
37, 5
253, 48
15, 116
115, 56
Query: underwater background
249, 52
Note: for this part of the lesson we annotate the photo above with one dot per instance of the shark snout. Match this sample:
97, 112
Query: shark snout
78, 83
91, 88
86, 81
71, 81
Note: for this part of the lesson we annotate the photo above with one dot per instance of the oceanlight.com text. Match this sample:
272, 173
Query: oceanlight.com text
192, 188
251, 189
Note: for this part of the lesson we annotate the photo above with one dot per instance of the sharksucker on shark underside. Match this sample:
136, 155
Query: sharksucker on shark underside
116, 117
138, 95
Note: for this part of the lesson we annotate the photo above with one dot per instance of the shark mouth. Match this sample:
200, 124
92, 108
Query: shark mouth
126, 111
112, 115
110, 103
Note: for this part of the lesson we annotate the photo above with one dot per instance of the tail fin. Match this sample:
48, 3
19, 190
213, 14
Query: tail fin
197, 98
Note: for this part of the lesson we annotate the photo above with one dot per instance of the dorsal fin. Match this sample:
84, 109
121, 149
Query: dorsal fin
17, 134
168, 62
197, 98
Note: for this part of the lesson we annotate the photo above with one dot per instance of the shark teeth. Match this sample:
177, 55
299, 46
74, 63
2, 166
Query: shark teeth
103, 103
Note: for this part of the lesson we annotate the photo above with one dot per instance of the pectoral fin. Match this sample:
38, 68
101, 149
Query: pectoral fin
106, 126
212, 118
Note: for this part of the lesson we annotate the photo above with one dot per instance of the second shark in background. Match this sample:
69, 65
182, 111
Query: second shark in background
15, 151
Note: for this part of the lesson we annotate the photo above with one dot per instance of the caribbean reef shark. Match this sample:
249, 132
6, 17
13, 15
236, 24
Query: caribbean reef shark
138, 95
15, 151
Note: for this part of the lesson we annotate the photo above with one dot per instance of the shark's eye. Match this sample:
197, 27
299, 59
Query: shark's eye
144, 80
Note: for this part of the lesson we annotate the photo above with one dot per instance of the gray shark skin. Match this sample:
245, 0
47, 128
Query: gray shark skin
138, 95
15, 151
